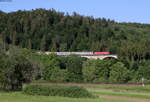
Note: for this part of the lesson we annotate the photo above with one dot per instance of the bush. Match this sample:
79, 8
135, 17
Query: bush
57, 90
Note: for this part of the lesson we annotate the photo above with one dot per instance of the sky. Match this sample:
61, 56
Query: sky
118, 10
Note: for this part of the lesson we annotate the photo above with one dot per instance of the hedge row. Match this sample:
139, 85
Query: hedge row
58, 90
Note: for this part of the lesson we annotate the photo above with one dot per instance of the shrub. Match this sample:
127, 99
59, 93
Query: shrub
57, 90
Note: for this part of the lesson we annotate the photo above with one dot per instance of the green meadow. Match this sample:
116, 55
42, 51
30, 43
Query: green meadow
127, 92
20, 97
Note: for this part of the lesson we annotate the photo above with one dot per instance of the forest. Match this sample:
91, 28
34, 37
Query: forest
23, 33
49, 30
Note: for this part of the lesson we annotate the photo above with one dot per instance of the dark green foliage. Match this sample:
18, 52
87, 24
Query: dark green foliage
49, 30
97, 70
16, 67
54, 70
144, 70
74, 68
58, 90
119, 73
62, 69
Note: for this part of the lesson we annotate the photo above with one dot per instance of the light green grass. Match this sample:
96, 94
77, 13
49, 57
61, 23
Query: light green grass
136, 92
123, 88
19, 97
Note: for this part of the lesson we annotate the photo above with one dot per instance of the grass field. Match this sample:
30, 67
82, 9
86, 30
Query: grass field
122, 88
107, 93
19, 97
128, 91
138, 93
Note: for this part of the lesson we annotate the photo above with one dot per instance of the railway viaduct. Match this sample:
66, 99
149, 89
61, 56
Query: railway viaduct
101, 57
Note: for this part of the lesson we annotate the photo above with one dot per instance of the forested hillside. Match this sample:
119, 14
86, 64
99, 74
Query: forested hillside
48, 30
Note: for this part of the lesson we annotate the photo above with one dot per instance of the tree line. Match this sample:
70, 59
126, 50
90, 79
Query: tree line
19, 66
74, 68
49, 30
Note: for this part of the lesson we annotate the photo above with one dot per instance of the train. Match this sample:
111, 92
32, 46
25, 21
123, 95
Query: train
77, 53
